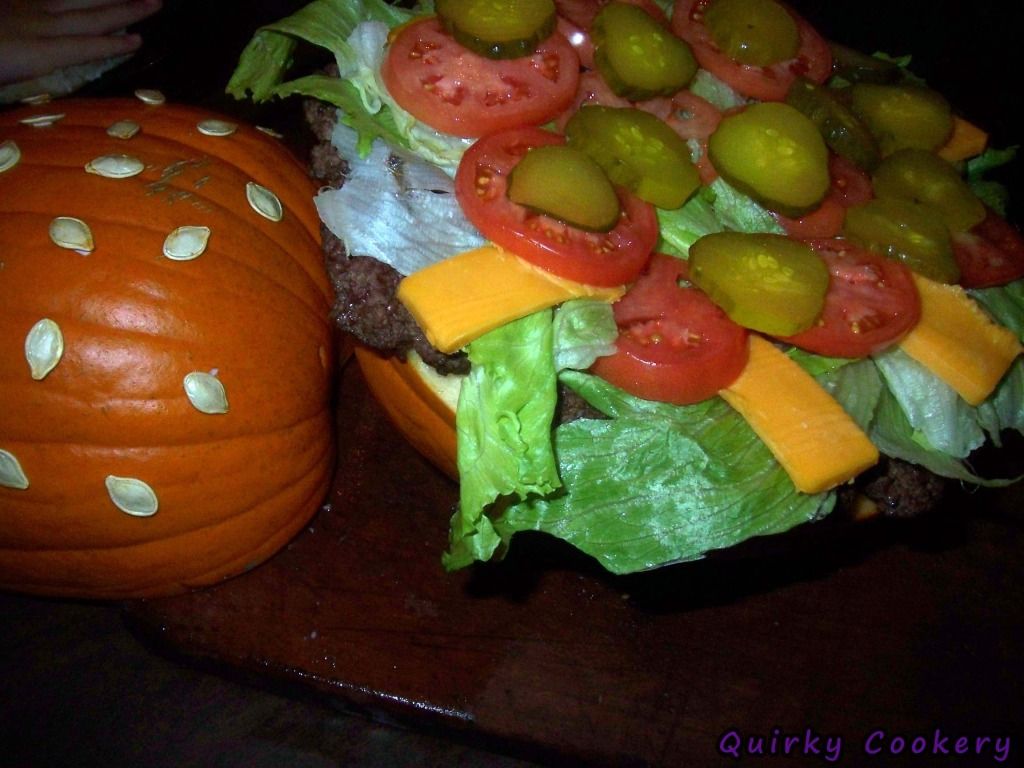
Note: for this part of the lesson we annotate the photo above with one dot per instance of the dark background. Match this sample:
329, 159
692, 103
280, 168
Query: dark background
77, 689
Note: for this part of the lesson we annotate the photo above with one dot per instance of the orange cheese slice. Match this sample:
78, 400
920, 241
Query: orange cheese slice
807, 431
465, 296
958, 342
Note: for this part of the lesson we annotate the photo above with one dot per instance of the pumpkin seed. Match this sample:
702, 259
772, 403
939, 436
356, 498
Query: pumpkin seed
132, 496
214, 127
44, 347
11, 473
186, 243
150, 96
206, 392
263, 201
123, 129
42, 121
10, 155
269, 131
73, 234
115, 166
37, 99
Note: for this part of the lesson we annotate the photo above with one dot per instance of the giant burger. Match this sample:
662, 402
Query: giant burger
656, 278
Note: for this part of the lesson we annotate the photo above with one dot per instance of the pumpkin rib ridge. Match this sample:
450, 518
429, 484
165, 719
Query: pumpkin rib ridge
197, 194
306, 477
158, 587
130, 333
172, 267
232, 218
270, 432
169, 128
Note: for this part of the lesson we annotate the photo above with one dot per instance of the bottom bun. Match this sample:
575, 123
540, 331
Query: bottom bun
420, 402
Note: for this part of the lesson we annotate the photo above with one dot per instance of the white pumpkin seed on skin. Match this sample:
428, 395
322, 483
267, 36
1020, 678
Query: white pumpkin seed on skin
10, 155
44, 347
11, 473
206, 392
132, 496
115, 166
150, 96
42, 121
186, 243
263, 201
214, 127
269, 131
73, 234
123, 129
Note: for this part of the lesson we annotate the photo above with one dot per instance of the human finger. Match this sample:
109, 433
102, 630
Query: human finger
96, 20
26, 59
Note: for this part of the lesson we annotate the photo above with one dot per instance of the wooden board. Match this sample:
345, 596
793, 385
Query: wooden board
841, 630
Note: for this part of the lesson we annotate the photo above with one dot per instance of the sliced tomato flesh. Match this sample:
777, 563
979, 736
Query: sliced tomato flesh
850, 186
990, 254
675, 345
871, 303
608, 258
456, 91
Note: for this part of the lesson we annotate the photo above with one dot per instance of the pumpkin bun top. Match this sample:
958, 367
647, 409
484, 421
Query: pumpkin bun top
166, 350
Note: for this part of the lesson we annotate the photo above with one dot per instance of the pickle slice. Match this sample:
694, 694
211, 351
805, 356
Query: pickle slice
638, 57
913, 233
924, 177
498, 29
775, 154
844, 133
769, 283
566, 184
902, 116
637, 151
856, 67
755, 32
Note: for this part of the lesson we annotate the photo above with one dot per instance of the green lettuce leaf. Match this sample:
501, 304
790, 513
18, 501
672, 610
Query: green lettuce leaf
856, 385
893, 435
713, 208
355, 31
503, 424
584, 330
682, 227
1005, 303
939, 416
993, 193
657, 484
324, 23
344, 95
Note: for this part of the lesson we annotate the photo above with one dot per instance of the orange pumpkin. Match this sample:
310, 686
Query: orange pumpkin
166, 351
414, 406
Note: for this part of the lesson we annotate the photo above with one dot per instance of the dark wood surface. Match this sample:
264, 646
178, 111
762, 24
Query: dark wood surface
843, 630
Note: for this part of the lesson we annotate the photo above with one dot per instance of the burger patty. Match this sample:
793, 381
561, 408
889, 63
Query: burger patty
365, 304
366, 307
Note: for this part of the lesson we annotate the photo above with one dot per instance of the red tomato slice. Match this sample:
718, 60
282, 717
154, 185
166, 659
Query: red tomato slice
596, 258
454, 90
992, 253
675, 345
592, 90
850, 186
872, 302
693, 117
813, 60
